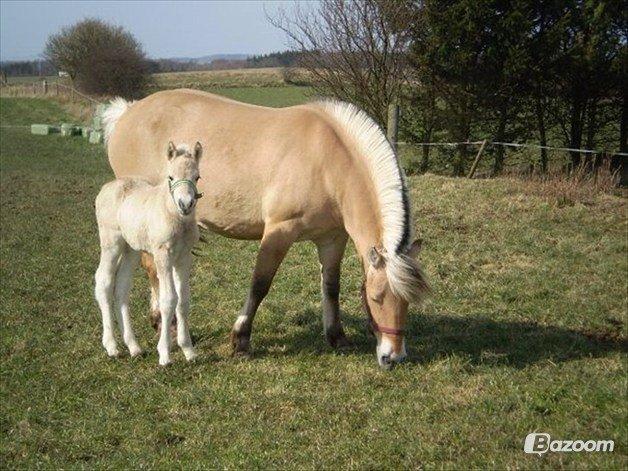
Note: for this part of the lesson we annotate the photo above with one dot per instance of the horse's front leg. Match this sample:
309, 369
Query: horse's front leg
167, 302
182, 286
330, 252
276, 241
155, 314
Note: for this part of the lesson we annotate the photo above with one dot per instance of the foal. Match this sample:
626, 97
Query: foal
135, 216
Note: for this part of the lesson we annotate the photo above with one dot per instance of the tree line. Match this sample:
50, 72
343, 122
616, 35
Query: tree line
548, 72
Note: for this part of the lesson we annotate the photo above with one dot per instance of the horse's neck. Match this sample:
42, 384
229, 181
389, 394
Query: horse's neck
360, 213
165, 203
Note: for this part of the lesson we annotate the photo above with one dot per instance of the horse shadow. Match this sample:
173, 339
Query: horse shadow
478, 339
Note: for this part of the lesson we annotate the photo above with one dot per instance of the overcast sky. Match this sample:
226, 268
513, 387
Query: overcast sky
165, 28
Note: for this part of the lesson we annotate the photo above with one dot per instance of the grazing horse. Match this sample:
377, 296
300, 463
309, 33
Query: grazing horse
135, 216
323, 172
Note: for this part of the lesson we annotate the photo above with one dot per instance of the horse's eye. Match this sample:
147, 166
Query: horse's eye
197, 178
170, 178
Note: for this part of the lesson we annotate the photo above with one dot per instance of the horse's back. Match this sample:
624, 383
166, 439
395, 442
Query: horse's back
258, 164
111, 197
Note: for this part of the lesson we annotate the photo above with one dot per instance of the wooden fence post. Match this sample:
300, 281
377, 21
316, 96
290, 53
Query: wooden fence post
393, 125
45, 86
34, 88
477, 159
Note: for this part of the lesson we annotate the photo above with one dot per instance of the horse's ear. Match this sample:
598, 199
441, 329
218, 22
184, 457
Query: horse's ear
415, 248
172, 150
376, 259
198, 151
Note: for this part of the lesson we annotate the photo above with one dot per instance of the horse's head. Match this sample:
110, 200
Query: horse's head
183, 174
391, 282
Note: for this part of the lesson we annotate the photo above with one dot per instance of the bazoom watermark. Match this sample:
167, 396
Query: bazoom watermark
542, 443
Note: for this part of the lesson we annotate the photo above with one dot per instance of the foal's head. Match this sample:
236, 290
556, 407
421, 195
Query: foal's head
183, 175
386, 307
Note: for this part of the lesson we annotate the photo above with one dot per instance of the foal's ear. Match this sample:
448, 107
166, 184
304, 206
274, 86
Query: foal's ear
415, 248
376, 259
172, 150
198, 151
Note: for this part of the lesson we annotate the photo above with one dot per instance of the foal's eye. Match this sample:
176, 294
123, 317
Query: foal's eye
170, 178
197, 178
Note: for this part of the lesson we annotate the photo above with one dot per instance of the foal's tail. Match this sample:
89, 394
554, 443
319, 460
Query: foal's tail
114, 111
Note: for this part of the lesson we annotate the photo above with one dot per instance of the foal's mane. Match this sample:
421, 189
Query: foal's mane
404, 273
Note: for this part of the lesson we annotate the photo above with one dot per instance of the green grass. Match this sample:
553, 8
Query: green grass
525, 332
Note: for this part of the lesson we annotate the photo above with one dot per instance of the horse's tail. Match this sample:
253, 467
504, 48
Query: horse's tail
114, 111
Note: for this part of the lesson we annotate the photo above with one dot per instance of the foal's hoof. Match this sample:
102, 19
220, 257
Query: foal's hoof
241, 345
135, 351
190, 355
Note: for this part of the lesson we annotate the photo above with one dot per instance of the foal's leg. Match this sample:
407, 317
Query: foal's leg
155, 315
149, 265
182, 287
275, 244
124, 281
167, 302
105, 282
330, 252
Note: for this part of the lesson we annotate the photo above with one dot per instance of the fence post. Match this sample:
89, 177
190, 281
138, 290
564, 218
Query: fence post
477, 159
393, 125
45, 86
34, 88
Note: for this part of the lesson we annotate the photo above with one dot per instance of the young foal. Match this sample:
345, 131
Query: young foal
135, 216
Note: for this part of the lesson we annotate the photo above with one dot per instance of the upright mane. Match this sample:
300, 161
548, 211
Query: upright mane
405, 276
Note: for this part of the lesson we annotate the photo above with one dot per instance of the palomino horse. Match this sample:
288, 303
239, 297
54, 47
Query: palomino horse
321, 172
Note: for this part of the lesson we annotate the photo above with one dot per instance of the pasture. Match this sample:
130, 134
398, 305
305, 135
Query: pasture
525, 332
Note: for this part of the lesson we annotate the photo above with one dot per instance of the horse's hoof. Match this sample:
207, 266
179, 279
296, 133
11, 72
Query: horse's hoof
155, 321
190, 355
135, 351
241, 345
337, 339
342, 342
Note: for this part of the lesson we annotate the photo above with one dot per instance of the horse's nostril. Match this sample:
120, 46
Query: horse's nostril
385, 362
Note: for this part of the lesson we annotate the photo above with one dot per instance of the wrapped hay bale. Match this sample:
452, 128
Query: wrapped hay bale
68, 129
96, 137
43, 129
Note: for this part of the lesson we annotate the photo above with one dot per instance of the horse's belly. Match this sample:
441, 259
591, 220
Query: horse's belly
231, 216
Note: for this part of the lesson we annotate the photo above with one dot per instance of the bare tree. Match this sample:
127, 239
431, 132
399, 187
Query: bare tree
354, 49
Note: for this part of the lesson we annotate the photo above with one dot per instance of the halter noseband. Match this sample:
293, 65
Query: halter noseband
173, 184
374, 325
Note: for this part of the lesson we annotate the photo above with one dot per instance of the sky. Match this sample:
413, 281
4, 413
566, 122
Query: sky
165, 28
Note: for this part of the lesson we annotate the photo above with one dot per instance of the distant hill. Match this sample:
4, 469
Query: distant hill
211, 58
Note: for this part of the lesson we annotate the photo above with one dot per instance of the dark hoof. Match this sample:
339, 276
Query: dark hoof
241, 344
155, 321
337, 339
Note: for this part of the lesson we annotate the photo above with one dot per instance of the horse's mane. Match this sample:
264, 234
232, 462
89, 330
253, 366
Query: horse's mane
405, 276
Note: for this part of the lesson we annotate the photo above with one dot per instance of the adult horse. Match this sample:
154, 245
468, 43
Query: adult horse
323, 172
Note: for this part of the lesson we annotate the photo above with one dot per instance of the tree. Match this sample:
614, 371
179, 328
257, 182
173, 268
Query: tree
354, 49
100, 58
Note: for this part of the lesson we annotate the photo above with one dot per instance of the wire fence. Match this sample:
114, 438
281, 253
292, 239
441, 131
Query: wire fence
440, 157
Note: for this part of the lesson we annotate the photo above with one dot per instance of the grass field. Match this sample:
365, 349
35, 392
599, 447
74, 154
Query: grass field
525, 332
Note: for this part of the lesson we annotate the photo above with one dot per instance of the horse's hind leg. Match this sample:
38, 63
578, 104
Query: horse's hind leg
124, 281
105, 282
275, 244
155, 314
330, 252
